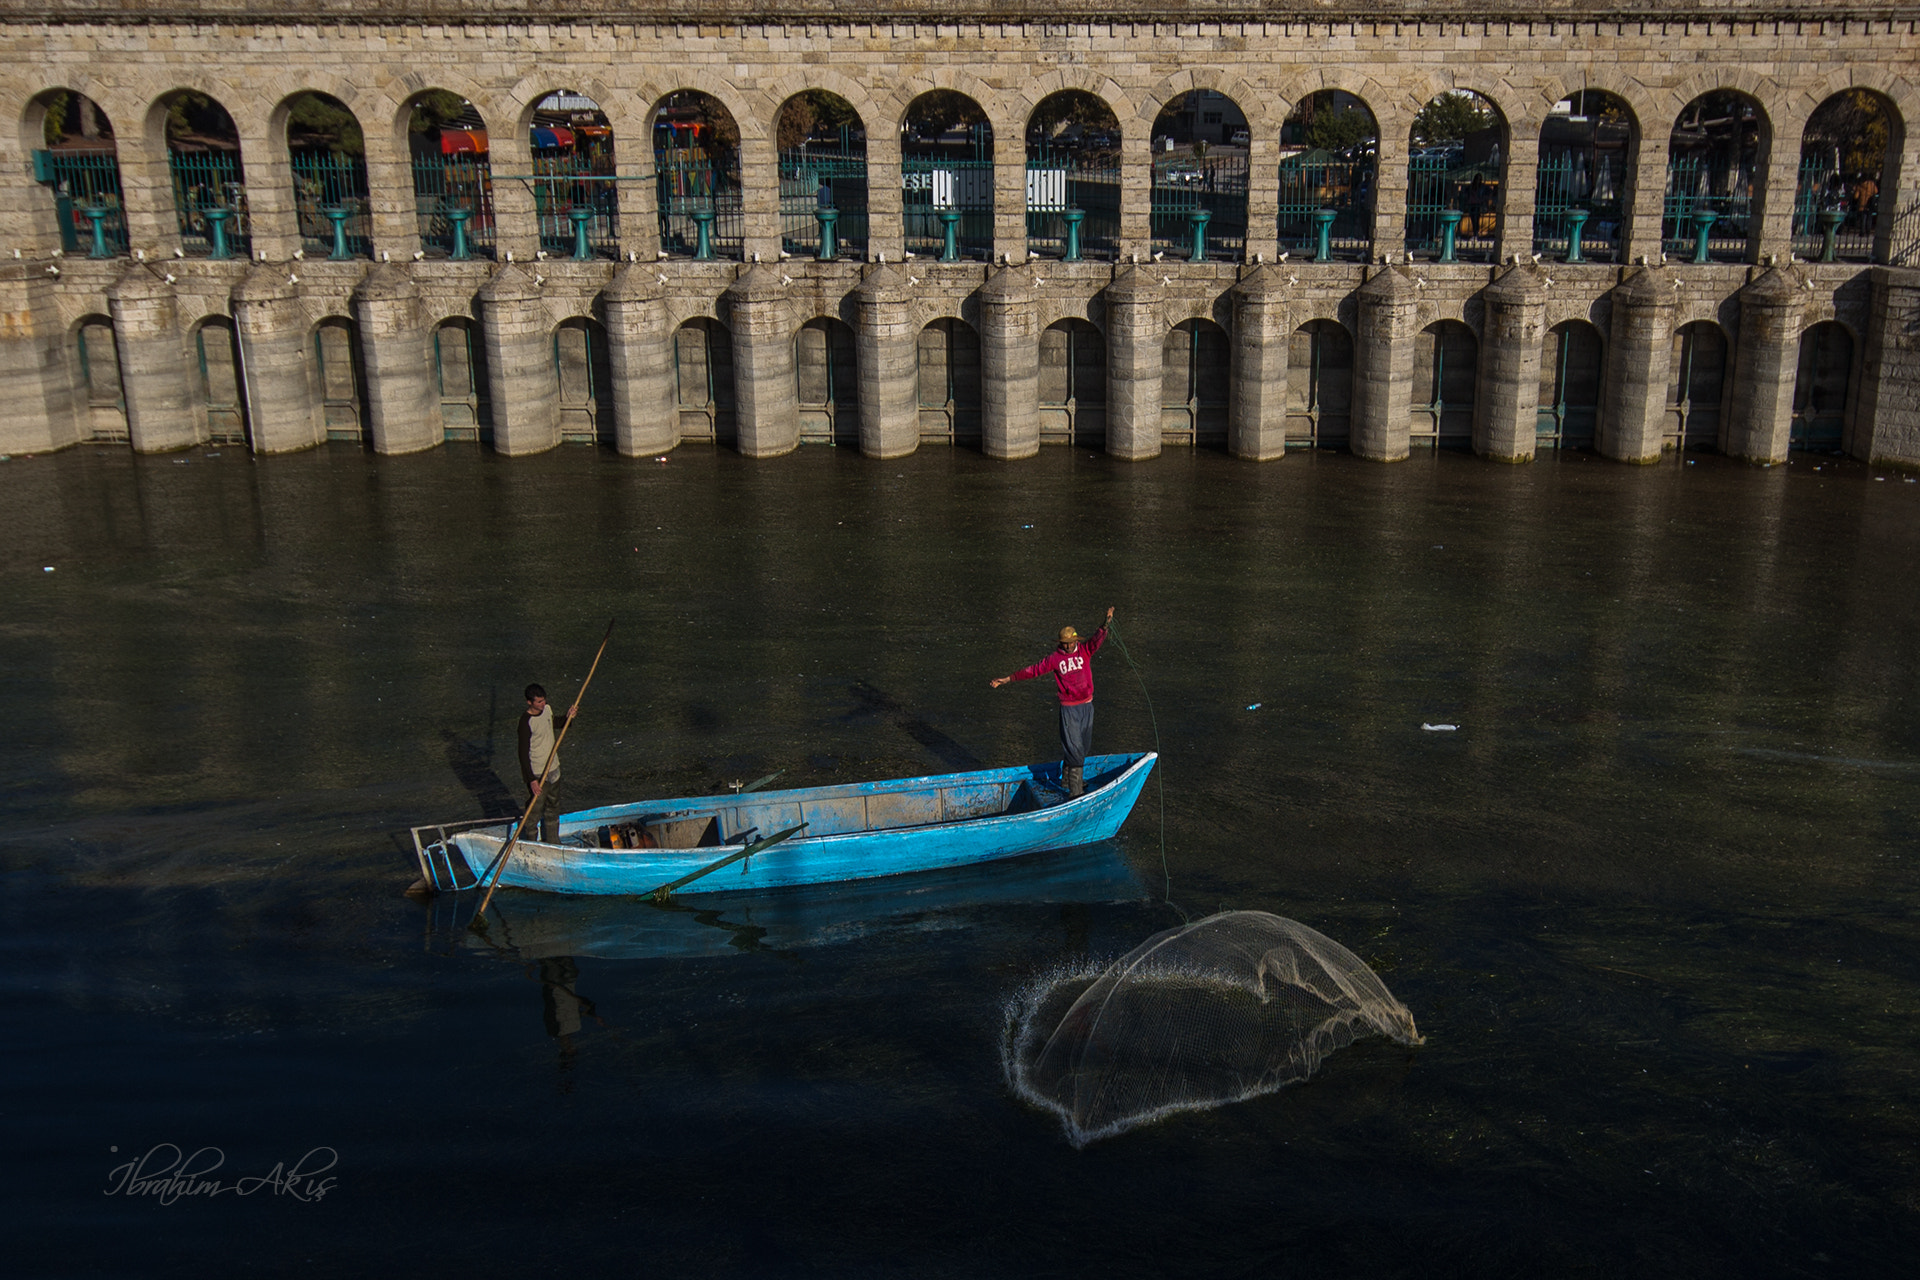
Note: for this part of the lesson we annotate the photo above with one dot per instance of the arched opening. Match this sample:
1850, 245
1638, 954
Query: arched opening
823, 174
1571, 360
1319, 385
1715, 150
1073, 178
452, 176
1457, 145
1696, 385
97, 369
574, 193
460, 378
1329, 159
328, 155
1821, 388
1843, 164
584, 376
1073, 384
339, 378
949, 353
1200, 142
209, 183
1587, 148
946, 176
703, 381
828, 380
1445, 363
223, 408
1195, 378
80, 166
696, 153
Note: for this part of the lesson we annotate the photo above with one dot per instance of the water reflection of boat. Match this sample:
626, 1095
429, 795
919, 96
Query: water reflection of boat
529, 927
813, 835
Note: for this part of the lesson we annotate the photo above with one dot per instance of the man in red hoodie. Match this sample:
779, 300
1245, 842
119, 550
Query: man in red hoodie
1071, 666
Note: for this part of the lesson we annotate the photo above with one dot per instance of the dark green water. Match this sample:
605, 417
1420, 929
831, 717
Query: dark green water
1652, 903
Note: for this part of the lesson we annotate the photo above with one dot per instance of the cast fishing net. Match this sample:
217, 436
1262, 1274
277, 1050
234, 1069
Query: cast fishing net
1215, 1011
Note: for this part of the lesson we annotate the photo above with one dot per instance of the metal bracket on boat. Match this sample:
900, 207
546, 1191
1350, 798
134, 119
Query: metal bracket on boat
437, 866
665, 891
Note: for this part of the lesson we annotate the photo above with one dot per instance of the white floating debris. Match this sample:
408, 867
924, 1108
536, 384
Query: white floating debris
1026, 526
1438, 728
1253, 706
48, 569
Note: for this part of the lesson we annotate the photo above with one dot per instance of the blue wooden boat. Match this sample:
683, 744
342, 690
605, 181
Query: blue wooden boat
853, 831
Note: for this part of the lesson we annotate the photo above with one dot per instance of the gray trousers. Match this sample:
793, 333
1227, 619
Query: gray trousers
544, 816
1076, 733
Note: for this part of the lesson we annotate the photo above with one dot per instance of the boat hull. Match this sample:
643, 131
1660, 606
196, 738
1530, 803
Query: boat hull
858, 831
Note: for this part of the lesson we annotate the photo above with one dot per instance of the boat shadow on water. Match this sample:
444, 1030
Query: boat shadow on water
526, 926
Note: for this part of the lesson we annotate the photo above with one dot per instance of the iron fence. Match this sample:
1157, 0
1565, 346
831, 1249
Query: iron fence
566, 183
1183, 184
1059, 180
691, 190
931, 187
1592, 181
1436, 185
803, 172
1701, 185
323, 181
454, 184
210, 180
1310, 185
82, 180
1850, 208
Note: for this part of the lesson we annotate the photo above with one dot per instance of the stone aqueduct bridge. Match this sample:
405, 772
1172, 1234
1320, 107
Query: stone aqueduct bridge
149, 311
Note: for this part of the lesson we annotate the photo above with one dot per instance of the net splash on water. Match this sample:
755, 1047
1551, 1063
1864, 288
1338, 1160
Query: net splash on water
1215, 1011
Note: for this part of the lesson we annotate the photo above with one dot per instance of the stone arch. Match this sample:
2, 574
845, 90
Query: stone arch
460, 380
583, 376
1850, 148
1640, 104
1583, 176
998, 104
327, 158
1823, 386
82, 170
1697, 386
573, 145
776, 93
1717, 155
1073, 383
206, 161
823, 177
418, 87
1195, 382
1201, 148
1319, 384
698, 153
1332, 140
98, 392
1572, 373
703, 381
217, 382
1073, 145
1445, 367
1763, 90
1254, 103
827, 379
451, 167
339, 376
947, 352
949, 173
1458, 146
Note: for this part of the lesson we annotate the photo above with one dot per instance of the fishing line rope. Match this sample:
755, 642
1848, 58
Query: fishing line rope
1159, 774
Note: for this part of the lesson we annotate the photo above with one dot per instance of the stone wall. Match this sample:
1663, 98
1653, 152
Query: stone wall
1267, 59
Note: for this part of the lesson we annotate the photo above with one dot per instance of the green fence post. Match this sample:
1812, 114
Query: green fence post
1074, 218
1576, 229
97, 214
1703, 220
458, 219
950, 231
217, 226
1449, 228
338, 214
1830, 220
829, 234
582, 251
703, 235
1323, 232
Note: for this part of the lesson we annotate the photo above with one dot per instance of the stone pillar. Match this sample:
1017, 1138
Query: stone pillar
1646, 197
766, 397
1135, 332
392, 209
271, 323
1263, 200
153, 362
1010, 194
886, 217
519, 347
396, 354
1009, 368
146, 192
1766, 360
759, 200
1633, 404
1506, 400
1518, 178
640, 351
1390, 197
887, 353
272, 223
1383, 367
1257, 422
1136, 194
1887, 407
42, 406
1778, 180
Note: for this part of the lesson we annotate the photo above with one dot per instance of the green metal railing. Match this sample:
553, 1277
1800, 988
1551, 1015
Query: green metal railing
1439, 186
939, 195
1569, 183
572, 195
1326, 208
1073, 204
453, 205
1829, 224
86, 195
331, 205
843, 171
701, 214
1213, 185
210, 199
1707, 216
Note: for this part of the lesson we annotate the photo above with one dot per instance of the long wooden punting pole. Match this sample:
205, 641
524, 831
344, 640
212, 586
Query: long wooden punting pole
500, 864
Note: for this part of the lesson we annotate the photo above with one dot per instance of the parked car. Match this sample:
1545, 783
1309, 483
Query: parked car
1240, 138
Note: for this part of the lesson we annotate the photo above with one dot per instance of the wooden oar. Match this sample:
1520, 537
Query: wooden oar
665, 891
500, 864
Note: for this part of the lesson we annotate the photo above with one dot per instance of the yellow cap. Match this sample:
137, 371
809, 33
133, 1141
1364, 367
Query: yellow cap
1068, 634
